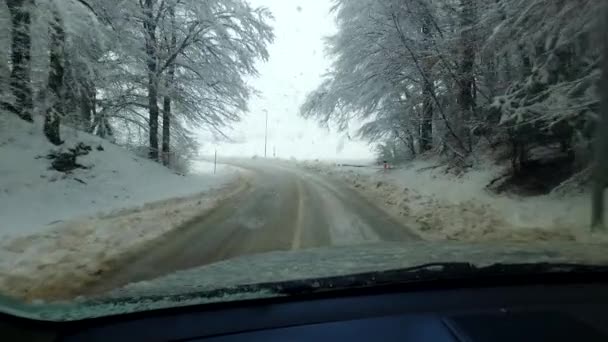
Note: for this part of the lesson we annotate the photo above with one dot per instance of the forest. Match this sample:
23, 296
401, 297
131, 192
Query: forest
142, 73
513, 81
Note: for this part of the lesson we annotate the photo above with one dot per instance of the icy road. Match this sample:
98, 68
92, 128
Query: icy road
284, 208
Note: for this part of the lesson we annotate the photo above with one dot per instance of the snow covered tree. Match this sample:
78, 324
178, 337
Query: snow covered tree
20, 13
370, 62
113, 67
466, 81
469, 76
171, 45
208, 62
383, 45
56, 108
43, 22
190, 56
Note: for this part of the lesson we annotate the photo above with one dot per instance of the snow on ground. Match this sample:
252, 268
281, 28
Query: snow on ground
57, 227
63, 259
444, 206
33, 197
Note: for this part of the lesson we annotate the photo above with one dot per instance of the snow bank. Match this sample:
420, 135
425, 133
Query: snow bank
57, 263
59, 230
444, 206
33, 197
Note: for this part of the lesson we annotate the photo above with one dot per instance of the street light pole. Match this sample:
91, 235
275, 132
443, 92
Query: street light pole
266, 135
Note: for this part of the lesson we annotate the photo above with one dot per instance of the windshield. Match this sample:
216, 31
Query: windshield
160, 147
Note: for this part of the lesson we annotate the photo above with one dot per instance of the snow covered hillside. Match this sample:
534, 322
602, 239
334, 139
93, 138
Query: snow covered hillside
57, 227
34, 196
439, 206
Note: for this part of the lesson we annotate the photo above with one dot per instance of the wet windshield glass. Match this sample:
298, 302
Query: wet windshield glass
160, 147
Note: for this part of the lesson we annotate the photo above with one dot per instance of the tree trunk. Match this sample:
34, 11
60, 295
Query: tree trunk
410, 145
20, 78
101, 126
87, 106
152, 65
166, 145
100, 123
426, 125
526, 63
153, 117
52, 118
597, 208
167, 131
426, 130
600, 174
466, 80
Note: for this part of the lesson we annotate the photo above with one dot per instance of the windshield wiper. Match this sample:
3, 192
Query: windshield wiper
426, 273
433, 272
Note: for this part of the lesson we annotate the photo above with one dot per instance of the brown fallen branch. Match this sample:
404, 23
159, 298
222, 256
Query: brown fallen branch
431, 167
80, 181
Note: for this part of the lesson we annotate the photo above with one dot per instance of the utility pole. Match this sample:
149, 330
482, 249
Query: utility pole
266, 134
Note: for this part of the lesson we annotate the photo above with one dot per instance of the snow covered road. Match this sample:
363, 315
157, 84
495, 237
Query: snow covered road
285, 208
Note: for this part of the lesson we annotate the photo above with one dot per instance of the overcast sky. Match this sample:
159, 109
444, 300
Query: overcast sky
297, 62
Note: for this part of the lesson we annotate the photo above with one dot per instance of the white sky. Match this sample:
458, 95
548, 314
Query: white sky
297, 62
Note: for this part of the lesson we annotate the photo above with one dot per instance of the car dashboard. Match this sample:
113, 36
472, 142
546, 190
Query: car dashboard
533, 312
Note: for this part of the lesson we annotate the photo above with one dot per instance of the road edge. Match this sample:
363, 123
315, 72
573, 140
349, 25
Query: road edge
71, 280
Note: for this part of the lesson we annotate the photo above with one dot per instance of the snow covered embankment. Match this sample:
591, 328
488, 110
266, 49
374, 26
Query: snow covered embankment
59, 230
439, 206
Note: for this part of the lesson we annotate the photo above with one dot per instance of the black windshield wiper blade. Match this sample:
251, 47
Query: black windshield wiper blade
425, 272
432, 272
541, 268
308, 286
